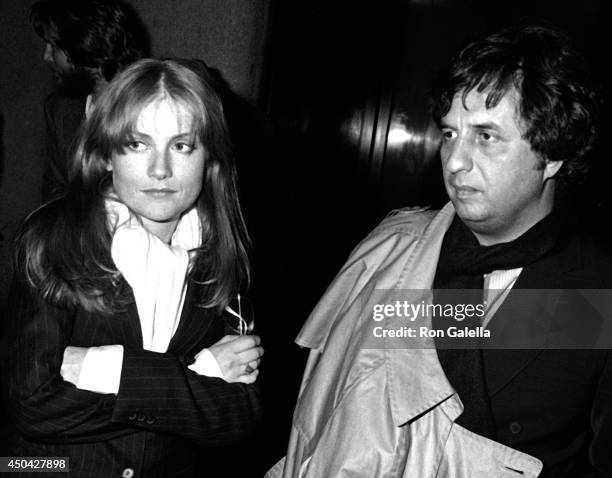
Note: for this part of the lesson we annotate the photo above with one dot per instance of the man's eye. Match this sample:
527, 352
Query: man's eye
136, 145
486, 137
448, 135
183, 147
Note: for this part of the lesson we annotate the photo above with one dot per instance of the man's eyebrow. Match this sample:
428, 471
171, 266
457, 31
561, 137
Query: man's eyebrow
486, 125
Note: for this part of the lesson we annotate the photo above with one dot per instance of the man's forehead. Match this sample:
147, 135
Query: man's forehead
472, 105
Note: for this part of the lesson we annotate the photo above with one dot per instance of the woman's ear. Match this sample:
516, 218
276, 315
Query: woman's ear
109, 165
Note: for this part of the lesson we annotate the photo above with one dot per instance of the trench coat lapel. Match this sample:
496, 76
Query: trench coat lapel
418, 369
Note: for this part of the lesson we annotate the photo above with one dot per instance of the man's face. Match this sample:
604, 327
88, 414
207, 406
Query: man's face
494, 179
54, 56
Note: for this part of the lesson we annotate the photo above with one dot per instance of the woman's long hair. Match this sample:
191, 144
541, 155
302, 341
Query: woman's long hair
63, 249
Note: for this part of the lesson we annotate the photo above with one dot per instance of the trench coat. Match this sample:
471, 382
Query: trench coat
380, 410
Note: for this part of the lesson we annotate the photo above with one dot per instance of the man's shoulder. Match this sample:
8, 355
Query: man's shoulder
394, 236
410, 220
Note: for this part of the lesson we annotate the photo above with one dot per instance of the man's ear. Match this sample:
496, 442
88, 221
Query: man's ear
95, 94
551, 168
88, 105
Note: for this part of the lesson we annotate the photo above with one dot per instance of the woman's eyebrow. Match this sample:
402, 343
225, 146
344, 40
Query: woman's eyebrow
186, 134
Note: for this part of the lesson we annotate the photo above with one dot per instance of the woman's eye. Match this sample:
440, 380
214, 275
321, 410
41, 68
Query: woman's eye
183, 147
136, 145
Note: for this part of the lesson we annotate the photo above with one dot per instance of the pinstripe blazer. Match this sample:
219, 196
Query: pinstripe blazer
161, 418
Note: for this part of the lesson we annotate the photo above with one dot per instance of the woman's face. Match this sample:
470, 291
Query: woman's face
159, 174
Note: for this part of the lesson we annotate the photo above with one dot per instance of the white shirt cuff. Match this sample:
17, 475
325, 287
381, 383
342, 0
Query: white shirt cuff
101, 369
206, 364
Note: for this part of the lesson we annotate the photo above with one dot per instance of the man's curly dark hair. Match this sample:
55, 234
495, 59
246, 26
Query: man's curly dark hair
558, 105
96, 34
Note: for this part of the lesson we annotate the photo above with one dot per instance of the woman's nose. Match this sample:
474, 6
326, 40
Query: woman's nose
160, 166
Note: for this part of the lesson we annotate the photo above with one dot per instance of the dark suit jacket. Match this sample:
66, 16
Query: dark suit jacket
162, 415
551, 403
63, 116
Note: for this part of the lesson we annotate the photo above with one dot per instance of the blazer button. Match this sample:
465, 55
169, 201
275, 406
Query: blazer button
127, 473
150, 420
132, 417
140, 417
516, 428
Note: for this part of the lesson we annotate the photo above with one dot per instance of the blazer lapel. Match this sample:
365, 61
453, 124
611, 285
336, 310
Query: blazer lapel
129, 322
194, 324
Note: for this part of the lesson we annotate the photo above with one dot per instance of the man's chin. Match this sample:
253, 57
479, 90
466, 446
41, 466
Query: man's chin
468, 211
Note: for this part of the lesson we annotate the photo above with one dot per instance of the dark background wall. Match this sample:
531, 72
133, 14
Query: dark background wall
24, 82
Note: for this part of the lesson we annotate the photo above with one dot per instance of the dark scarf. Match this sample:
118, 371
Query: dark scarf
461, 265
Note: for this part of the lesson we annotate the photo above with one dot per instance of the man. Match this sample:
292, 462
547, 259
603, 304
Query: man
86, 43
518, 121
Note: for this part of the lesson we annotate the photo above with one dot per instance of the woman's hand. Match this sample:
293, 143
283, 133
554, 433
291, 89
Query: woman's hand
72, 363
238, 357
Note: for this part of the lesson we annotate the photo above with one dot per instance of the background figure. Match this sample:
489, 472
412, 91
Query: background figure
518, 120
116, 350
86, 43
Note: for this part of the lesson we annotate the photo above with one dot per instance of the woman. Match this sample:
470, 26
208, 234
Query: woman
116, 353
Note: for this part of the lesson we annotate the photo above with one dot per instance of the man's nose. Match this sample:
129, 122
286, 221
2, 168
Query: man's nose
160, 166
48, 53
458, 156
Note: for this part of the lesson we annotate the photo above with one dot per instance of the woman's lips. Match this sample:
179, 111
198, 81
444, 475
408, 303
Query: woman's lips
159, 192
